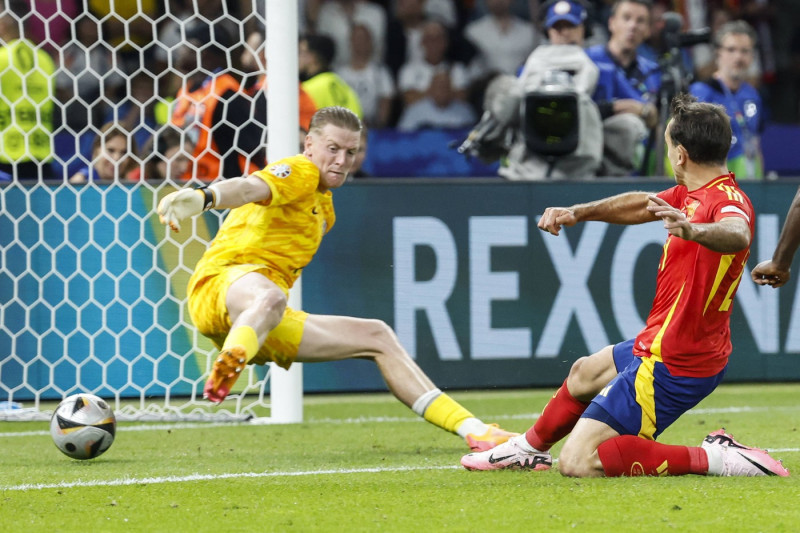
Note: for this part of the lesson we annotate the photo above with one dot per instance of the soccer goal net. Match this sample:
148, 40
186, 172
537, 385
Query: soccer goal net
93, 287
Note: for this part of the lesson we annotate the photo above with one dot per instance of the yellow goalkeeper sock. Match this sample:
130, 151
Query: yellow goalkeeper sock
243, 336
446, 413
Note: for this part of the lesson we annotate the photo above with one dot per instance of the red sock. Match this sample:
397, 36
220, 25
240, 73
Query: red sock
558, 418
628, 455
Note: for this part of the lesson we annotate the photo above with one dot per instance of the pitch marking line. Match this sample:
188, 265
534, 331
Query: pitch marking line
214, 477
376, 419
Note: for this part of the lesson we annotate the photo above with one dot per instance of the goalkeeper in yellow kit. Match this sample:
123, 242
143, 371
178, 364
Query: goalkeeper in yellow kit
238, 292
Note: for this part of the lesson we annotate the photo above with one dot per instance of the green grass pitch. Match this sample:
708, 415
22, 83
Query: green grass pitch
366, 463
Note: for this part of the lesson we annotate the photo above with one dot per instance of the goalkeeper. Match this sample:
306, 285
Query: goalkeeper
238, 292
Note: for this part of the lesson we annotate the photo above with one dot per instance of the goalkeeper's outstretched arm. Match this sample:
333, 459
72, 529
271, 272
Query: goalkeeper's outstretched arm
230, 193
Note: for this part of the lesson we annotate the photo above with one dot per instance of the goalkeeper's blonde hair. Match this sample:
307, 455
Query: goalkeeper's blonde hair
336, 115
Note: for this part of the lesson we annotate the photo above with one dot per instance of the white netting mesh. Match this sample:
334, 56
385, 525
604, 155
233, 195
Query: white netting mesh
94, 298
91, 288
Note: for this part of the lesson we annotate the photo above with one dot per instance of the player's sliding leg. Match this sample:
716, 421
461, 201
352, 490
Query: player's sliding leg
726, 457
719, 455
255, 306
615, 435
331, 338
558, 418
587, 377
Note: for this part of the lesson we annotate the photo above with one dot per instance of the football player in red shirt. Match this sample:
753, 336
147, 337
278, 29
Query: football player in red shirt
616, 402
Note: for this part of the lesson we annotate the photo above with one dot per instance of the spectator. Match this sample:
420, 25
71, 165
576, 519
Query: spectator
628, 86
735, 43
415, 76
654, 46
440, 108
168, 152
564, 22
370, 78
211, 109
168, 41
111, 159
254, 64
86, 80
27, 75
136, 111
336, 19
128, 28
325, 87
444, 11
404, 34
502, 39
704, 55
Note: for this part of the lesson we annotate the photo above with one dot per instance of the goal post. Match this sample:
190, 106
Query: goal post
93, 287
282, 118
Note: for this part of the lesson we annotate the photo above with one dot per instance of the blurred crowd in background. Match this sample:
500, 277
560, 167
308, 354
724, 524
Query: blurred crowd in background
125, 86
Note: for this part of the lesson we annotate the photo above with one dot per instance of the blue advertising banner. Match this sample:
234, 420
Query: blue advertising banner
482, 298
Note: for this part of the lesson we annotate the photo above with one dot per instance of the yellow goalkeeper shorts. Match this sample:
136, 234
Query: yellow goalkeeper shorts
210, 315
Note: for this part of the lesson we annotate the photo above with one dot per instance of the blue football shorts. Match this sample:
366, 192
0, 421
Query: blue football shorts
644, 399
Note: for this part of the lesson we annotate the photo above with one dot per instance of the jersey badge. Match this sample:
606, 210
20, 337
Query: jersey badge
691, 208
281, 171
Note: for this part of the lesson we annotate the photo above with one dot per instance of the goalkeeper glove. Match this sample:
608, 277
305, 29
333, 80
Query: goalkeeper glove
184, 203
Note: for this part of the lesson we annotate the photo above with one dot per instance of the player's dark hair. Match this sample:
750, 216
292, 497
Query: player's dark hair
336, 115
703, 129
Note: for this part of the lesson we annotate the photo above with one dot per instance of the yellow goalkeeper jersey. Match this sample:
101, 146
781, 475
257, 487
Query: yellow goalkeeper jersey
282, 234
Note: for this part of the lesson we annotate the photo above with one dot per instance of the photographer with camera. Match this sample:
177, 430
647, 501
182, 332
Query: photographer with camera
735, 44
544, 122
628, 87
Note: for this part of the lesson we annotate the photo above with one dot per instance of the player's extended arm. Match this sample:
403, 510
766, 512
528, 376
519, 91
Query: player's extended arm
626, 208
230, 193
775, 272
726, 236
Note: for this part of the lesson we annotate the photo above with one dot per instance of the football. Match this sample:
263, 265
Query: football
83, 426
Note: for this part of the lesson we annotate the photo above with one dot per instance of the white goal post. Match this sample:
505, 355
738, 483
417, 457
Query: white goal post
92, 286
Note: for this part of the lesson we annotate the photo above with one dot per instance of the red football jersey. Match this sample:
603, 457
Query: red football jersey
689, 324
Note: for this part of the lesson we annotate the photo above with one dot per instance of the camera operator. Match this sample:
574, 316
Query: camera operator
544, 123
735, 44
628, 87
561, 66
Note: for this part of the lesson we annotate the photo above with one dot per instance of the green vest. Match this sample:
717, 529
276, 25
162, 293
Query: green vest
26, 103
328, 89
745, 168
